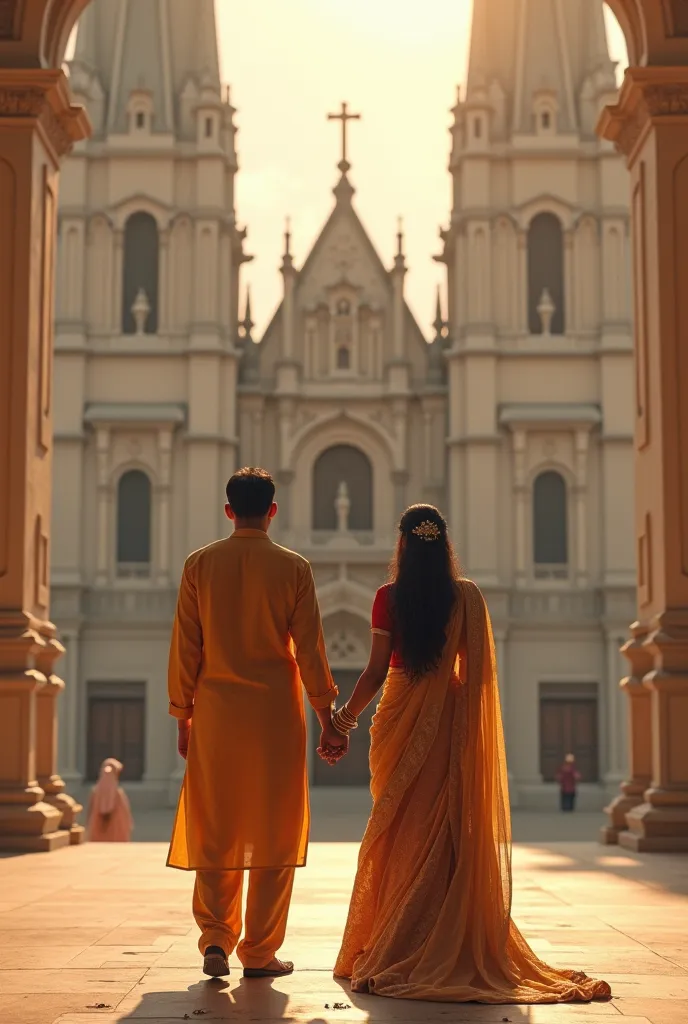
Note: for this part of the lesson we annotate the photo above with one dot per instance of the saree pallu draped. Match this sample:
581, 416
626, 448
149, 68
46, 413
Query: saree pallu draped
430, 915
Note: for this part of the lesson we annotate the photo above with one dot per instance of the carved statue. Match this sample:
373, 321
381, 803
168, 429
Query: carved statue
342, 504
546, 310
141, 311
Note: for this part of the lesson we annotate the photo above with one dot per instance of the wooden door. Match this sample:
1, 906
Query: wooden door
568, 726
116, 728
353, 769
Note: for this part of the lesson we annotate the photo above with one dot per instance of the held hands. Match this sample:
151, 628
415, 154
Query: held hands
183, 735
333, 746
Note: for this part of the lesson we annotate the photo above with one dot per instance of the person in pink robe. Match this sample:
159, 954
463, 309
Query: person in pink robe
109, 813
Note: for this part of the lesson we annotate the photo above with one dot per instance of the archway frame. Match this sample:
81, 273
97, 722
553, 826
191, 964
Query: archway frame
35, 107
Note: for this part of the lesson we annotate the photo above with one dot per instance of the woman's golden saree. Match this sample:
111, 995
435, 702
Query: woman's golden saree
430, 915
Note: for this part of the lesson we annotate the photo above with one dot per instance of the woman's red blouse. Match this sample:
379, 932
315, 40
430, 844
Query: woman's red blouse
382, 621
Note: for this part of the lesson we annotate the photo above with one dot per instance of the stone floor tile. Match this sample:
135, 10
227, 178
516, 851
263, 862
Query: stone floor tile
35, 957
50, 936
657, 1011
97, 982
97, 956
46, 1009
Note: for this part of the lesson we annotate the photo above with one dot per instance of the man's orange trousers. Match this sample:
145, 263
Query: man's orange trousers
217, 904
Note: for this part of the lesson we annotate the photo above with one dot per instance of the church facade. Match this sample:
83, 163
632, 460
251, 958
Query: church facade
515, 418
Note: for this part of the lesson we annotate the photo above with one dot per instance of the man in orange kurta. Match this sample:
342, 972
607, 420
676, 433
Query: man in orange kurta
247, 633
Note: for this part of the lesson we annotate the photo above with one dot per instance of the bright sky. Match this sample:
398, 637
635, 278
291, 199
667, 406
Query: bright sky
289, 64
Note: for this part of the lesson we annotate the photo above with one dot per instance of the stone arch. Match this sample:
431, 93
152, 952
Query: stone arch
341, 430
141, 274
337, 465
546, 273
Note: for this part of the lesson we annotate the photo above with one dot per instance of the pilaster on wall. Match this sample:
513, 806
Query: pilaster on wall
38, 125
649, 125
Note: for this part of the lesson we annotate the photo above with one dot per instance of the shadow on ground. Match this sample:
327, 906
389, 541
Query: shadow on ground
340, 814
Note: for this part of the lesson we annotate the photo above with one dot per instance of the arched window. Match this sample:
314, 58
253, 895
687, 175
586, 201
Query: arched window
140, 286
134, 524
343, 464
550, 526
343, 358
546, 275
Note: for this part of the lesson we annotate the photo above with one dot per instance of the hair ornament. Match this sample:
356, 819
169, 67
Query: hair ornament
427, 530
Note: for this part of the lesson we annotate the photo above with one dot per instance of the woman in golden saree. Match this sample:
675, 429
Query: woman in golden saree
430, 915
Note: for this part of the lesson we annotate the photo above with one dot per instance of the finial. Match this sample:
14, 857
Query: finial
247, 323
438, 322
287, 236
400, 236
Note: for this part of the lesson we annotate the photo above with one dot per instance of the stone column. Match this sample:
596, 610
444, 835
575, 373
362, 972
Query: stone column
164, 499
522, 263
582, 444
640, 738
519, 442
37, 127
165, 285
104, 498
118, 284
46, 744
571, 321
650, 125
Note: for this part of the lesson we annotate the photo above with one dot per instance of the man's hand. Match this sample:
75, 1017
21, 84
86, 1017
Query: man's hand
333, 746
183, 735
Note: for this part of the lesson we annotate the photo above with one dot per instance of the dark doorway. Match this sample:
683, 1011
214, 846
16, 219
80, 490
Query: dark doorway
117, 728
568, 725
352, 770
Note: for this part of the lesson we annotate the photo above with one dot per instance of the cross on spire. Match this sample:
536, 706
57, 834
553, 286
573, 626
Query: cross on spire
344, 117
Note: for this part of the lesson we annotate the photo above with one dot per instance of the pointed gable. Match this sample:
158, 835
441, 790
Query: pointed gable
342, 302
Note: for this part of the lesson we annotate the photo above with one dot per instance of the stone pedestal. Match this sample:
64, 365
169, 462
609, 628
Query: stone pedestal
38, 125
649, 125
46, 744
640, 733
660, 822
27, 820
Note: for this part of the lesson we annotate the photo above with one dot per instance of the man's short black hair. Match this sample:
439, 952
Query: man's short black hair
251, 492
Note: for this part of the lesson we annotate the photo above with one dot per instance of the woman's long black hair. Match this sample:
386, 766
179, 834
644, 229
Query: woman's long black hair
424, 576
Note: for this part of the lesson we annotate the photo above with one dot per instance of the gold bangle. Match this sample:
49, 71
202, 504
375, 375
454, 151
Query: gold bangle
343, 721
342, 730
348, 716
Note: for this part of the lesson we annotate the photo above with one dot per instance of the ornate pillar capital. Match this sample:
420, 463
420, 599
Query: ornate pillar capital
41, 99
649, 97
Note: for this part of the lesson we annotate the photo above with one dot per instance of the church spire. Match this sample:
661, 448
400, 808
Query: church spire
153, 59
548, 54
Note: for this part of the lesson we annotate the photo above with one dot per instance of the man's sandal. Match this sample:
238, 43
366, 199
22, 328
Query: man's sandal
215, 963
268, 972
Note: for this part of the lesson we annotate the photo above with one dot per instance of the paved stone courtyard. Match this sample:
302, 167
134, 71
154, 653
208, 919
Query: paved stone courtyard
102, 934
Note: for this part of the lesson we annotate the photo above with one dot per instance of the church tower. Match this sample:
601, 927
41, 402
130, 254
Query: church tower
540, 379
147, 362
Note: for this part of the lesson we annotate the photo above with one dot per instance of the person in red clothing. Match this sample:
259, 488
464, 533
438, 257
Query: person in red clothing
568, 778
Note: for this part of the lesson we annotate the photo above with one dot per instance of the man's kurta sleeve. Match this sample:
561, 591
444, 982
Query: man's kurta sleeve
186, 649
307, 634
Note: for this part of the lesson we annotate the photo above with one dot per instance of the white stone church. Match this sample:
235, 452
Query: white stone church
515, 418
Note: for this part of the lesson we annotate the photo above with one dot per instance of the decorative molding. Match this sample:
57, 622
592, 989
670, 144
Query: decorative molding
647, 94
666, 100
44, 97
21, 102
